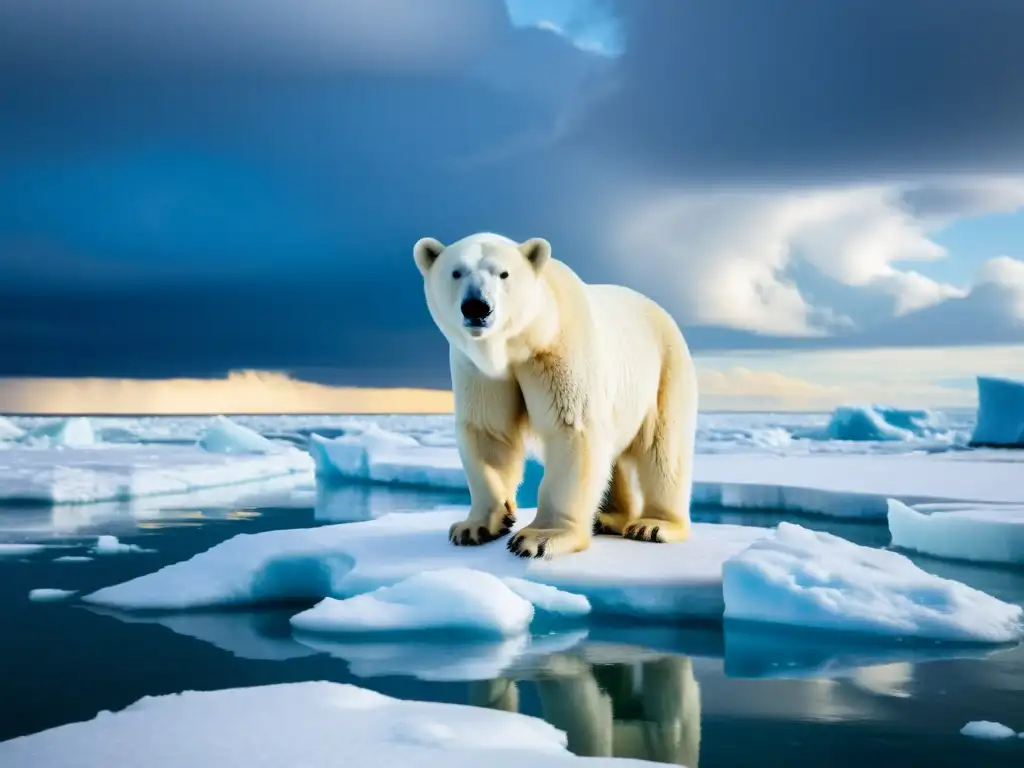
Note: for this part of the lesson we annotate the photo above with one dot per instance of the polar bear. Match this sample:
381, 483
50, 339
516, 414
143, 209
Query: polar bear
600, 374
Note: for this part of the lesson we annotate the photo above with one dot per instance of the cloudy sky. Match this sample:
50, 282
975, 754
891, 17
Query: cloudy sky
190, 189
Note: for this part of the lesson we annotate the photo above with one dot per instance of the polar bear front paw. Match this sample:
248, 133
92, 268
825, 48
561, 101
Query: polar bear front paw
473, 531
546, 542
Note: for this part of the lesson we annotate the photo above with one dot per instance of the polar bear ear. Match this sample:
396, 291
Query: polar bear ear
425, 252
537, 251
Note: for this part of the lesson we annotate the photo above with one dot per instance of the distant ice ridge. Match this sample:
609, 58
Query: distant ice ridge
791, 576
74, 432
876, 423
40, 471
1000, 413
315, 724
9, 430
981, 533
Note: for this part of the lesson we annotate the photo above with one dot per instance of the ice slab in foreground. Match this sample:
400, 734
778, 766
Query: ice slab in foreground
122, 472
804, 578
315, 724
617, 575
980, 533
1000, 413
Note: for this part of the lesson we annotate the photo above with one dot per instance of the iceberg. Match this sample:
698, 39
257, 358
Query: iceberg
616, 575
981, 533
47, 475
74, 432
813, 580
315, 724
9, 430
1000, 413
986, 729
877, 423
227, 436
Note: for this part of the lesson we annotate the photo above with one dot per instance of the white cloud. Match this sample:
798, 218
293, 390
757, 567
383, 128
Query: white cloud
806, 261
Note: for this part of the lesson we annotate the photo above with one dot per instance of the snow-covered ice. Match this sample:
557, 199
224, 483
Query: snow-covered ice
110, 545
816, 580
227, 436
315, 724
49, 595
449, 600
1000, 413
986, 729
981, 533
121, 472
549, 600
618, 576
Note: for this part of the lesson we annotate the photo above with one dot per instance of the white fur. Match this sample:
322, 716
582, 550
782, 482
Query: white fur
599, 373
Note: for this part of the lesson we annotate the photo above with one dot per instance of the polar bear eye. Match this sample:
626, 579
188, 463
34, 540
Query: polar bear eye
456, 274
503, 275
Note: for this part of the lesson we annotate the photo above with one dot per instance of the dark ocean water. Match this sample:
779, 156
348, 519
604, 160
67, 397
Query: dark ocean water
659, 692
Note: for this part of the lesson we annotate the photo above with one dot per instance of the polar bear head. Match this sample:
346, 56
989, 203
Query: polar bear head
483, 286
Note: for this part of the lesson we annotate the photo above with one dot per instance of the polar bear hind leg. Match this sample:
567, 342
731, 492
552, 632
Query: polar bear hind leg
620, 505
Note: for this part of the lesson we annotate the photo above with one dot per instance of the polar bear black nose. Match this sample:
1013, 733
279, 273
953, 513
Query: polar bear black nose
475, 309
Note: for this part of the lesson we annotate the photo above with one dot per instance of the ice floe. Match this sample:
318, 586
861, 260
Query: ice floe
981, 533
49, 595
804, 578
1000, 413
317, 724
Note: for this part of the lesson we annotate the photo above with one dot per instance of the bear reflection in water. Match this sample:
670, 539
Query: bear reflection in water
648, 710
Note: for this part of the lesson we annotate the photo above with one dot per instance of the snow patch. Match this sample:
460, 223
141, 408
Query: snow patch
317, 724
618, 576
1000, 413
450, 600
816, 580
981, 533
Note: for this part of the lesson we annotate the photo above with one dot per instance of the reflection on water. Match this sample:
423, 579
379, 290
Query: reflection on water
649, 710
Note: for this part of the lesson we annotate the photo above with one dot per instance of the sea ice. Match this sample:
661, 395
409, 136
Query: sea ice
449, 600
20, 550
982, 533
985, 729
120, 472
315, 724
617, 575
816, 580
1000, 413
72, 559
227, 436
9, 430
73, 432
548, 600
109, 545
49, 595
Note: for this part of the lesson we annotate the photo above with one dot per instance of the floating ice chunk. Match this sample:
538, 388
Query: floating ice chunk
317, 724
446, 600
982, 533
816, 580
9, 430
985, 729
227, 436
49, 595
549, 600
863, 423
110, 545
73, 559
74, 432
1000, 413
616, 575
20, 550
120, 472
